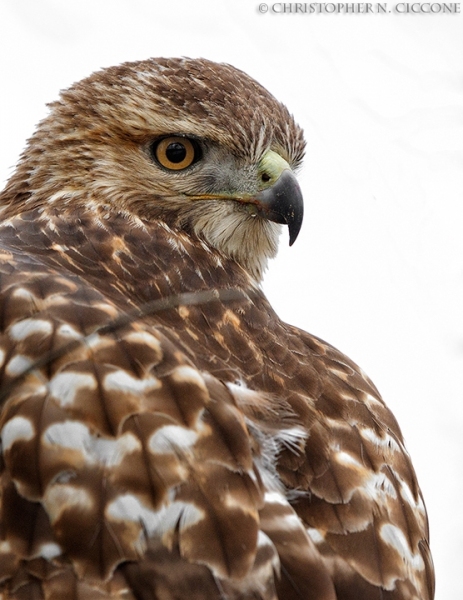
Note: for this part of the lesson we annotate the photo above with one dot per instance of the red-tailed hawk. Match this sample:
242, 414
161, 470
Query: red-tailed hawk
163, 434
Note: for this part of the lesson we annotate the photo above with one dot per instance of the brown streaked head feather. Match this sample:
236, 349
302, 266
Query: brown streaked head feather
98, 136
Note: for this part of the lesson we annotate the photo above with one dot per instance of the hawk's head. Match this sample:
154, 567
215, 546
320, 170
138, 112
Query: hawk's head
198, 145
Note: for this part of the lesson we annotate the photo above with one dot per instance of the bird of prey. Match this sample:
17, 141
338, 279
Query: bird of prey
164, 435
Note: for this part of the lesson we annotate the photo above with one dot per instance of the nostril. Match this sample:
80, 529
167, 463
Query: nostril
265, 177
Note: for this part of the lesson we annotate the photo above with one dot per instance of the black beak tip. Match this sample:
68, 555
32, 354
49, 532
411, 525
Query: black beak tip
283, 203
294, 229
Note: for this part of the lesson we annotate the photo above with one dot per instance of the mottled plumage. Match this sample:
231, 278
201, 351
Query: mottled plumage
163, 434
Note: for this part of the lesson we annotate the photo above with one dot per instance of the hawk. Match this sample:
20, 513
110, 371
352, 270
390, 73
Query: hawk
163, 434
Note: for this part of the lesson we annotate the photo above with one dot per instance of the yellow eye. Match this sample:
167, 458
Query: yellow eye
176, 153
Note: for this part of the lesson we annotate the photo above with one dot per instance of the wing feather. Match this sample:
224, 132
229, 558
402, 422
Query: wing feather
159, 440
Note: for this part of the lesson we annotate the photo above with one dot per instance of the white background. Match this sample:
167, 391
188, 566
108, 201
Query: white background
378, 268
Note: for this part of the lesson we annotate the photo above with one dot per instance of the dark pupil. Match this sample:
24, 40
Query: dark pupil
176, 152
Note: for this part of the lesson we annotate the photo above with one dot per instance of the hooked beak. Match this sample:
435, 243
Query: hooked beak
279, 199
283, 203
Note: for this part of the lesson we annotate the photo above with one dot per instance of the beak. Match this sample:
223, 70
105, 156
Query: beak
283, 203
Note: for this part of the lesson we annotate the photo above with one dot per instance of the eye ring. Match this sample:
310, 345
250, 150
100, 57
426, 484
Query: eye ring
176, 152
